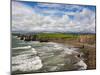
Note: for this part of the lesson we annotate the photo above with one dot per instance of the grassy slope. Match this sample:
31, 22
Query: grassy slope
56, 35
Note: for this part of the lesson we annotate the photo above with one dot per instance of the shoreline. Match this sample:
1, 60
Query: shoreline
89, 52
88, 49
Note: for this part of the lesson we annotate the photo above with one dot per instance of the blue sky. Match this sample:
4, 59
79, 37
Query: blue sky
58, 7
52, 17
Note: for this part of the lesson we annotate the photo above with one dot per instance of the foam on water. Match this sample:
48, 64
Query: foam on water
34, 51
27, 61
70, 51
24, 47
54, 46
82, 65
30, 42
54, 56
32, 64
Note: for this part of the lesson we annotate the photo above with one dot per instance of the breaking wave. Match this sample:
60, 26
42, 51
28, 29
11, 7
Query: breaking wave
82, 65
24, 47
47, 56
26, 62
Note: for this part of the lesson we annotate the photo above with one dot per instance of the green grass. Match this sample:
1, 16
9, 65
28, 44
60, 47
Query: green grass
56, 35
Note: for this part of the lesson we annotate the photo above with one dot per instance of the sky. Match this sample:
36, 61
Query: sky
53, 17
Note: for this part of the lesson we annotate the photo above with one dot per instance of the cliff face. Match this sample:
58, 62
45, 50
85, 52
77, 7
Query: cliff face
80, 38
87, 39
27, 37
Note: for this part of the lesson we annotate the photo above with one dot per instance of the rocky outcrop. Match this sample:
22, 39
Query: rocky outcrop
31, 38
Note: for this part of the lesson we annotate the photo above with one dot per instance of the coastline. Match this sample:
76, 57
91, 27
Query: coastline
83, 42
89, 52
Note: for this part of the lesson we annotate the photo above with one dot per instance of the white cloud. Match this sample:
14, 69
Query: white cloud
24, 18
86, 20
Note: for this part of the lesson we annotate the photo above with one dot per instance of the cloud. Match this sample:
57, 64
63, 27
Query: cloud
27, 18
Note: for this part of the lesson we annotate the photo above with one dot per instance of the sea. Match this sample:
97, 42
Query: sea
38, 57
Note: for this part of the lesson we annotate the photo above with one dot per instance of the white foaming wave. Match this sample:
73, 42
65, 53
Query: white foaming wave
56, 46
52, 43
28, 61
73, 52
69, 51
35, 42
26, 64
31, 42
24, 47
75, 49
34, 51
82, 65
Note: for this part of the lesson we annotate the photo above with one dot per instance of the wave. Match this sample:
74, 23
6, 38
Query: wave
25, 64
51, 43
51, 53
75, 56
27, 61
24, 47
34, 51
82, 65
30, 42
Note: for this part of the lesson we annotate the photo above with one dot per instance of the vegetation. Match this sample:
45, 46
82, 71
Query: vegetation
63, 35
56, 35
84, 38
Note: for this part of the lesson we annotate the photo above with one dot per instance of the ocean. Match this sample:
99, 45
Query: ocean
37, 57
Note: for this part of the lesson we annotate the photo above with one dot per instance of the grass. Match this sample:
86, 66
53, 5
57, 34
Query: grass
87, 38
56, 35
64, 35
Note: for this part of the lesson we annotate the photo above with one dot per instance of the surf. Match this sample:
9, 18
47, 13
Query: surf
24, 47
